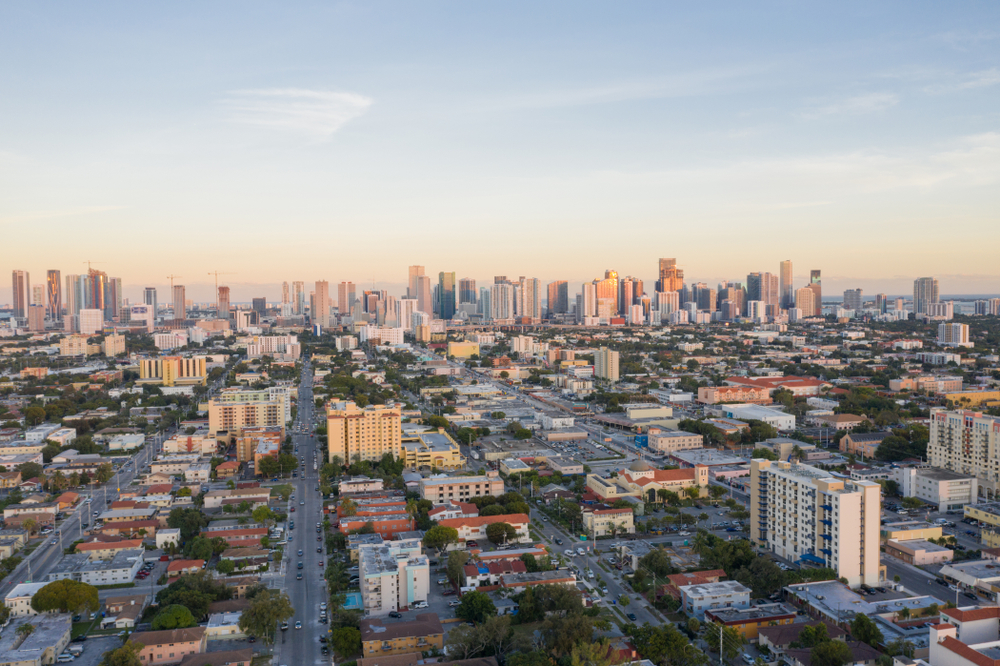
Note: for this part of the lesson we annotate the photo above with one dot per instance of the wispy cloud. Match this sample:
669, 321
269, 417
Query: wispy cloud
317, 114
970, 81
853, 106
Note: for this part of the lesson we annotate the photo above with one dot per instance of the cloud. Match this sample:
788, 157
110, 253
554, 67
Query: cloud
970, 81
853, 106
317, 114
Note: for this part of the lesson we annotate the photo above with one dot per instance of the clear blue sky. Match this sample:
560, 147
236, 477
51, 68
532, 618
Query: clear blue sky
343, 141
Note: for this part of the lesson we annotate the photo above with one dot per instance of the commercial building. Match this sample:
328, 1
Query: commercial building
965, 442
42, 645
431, 450
930, 383
798, 386
604, 522
908, 530
174, 370
443, 489
947, 490
422, 634
463, 349
773, 417
366, 433
988, 515
669, 441
749, 621
918, 552
697, 599
973, 398
802, 513
393, 575
606, 364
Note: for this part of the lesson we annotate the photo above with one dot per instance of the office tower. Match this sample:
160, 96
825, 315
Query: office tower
180, 306
881, 303
286, 293
346, 297
36, 317
671, 278
625, 293
405, 307
816, 284
466, 290
558, 297
801, 512
38, 295
321, 304
299, 297
734, 293
223, 303
486, 303
953, 335
502, 300
425, 301
259, 305
363, 434
91, 321
925, 292
54, 295
704, 296
529, 297
96, 290
22, 293
763, 287
966, 442
607, 289
113, 300
413, 282
805, 300
589, 301
785, 287
149, 298
446, 294
606, 364
853, 299
667, 302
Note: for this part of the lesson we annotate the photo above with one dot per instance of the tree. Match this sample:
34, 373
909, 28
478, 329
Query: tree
68, 596
864, 629
29, 470
30, 524
105, 473
500, 533
561, 634
126, 655
812, 636
348, 507
188, 521
264, 516
346, 641
475, 607
267, 609
34, 415
831, 653
199, 548
268, 466
597, 653
225, 567
440, 537
25, 630
174, 617
763, 576
766, 454
732, 641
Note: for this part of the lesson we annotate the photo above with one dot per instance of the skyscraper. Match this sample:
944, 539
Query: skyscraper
704, 296
853, 299
22, 293
925, 292
763, 287
299, 297
606, 364
148, 297
670, 278
816, 284
180, 309
530, 301
346, 295
607, 289
785, 286
502, 300
413, 280
54, 295
486, 303
881, 303
446, 294
223, 312
466, 290
321, 315
259, 305
805, 301
286, 294
558, 297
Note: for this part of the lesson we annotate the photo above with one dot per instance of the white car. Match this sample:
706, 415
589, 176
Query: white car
569, 552
419, 604
683, 534
581, 551
453, 602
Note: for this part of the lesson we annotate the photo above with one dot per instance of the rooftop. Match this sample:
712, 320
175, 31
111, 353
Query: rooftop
425, 624
722, 588
834, 599
756, 613
709, 457
49, 630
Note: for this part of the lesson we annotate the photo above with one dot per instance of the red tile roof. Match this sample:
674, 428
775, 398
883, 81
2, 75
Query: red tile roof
963, 650
978, 613
106, 545
184, 565
479, 521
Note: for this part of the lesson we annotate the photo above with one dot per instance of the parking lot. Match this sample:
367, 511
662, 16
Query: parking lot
94, 649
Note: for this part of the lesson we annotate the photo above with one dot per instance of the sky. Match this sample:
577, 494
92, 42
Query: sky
347, 140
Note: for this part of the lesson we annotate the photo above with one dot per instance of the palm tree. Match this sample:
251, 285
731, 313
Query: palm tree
613, 528
30, 524
903, 613
663, 494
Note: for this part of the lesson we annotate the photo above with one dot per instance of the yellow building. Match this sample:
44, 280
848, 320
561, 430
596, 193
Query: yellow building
233, 417
365, 434
113, 345
605, 522
608, 489
463, 349
972, 398
988, 513
432, 450
906, 530
73, 345
174, 370
422, 634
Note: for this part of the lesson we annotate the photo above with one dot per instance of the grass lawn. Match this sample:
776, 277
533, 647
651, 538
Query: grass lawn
116, 586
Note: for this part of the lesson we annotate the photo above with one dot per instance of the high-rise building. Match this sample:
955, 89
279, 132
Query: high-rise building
22, 293
785, 286
805, 300
558, 297
606, 364
988, 307
502, 300
113, 300
953, 335
853, 299
966, 442
446, 294
224, 309
286, 293
801, 512
149, 298
925, 292
259, 305
881, 303
588, 301
763, 287
346, 296
466, 290
363, 434
704, 296
180, 304
413, 281
321, 301
816, 284
670, 278
54, 295
529, 301
299, 297
36, 317
486, 302
607, 289
91, 321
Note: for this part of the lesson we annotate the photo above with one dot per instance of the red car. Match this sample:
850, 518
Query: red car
292, 510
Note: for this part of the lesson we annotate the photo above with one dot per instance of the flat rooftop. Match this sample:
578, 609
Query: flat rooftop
941, 474
835, 600
49, 630
981, 569
723, 588
761, 612
709, 457
443, 480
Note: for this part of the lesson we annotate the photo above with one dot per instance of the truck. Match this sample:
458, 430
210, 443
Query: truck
475, 455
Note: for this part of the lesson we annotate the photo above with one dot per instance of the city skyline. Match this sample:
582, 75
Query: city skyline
857, 141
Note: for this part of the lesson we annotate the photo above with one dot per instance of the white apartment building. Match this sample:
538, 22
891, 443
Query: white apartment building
18, 600
91, 321
696, 599
556, 420
393, 576
953, 335
949, 491
802, 513
606, 364
966, 442
599, 523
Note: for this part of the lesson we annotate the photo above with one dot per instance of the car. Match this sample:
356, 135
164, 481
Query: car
395, 614
319, 538
300, 552
455, 602
250, 639
581, 551
289, 540
324, 650
447, 593
748, 659
419, 604
559, 541
80, 639
322, 639
302, 503
54, 542
298, 576
440, 581
298, 624
300, 565
971, 595
941, 581
321, 562
284, 626
472, 544
684, 533
319, 549
569, 552
632, 617
292, 510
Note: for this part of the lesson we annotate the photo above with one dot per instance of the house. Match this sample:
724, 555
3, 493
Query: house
226, 658
419, 635
224, 625
416, 659
239, 538
861, 655
10, 479
171, 646
778, 638
454, 510
227, 470
676, 581
140, 528
518, 582
863, 444
748, 621
490, 574
66, 500
183, 567
122, 612
470, 529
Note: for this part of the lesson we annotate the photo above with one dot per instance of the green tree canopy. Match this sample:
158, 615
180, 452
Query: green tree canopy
68, 596
267, 609
500, 533
831, 653
440, 536
173, 617
475, 607
346, 641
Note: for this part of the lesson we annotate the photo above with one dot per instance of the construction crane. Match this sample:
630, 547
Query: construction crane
217, 274
88, 262
172, 283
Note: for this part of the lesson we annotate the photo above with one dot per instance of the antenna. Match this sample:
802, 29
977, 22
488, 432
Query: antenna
172, 282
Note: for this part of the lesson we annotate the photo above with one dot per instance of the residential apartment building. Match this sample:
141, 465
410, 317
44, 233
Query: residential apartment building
363, 433
929, 383
393, 575
953, 335
443, 489
966, 442
422, 634
697, 599
229, 414
474, 529
862, 444
604, 522
174, 370
711, 395
18, 600
432, 450
606, 364
668, 441
171, 646
802, 513
973, 398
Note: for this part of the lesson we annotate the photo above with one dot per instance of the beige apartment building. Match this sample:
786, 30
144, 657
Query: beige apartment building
803, 514
599, 523
669, 441
174, 370
606, 364
365, 434
443, 489
233, 417
966, 442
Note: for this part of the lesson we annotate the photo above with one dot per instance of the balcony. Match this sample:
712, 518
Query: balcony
827, 551
826, 536
826, 507
826, 521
